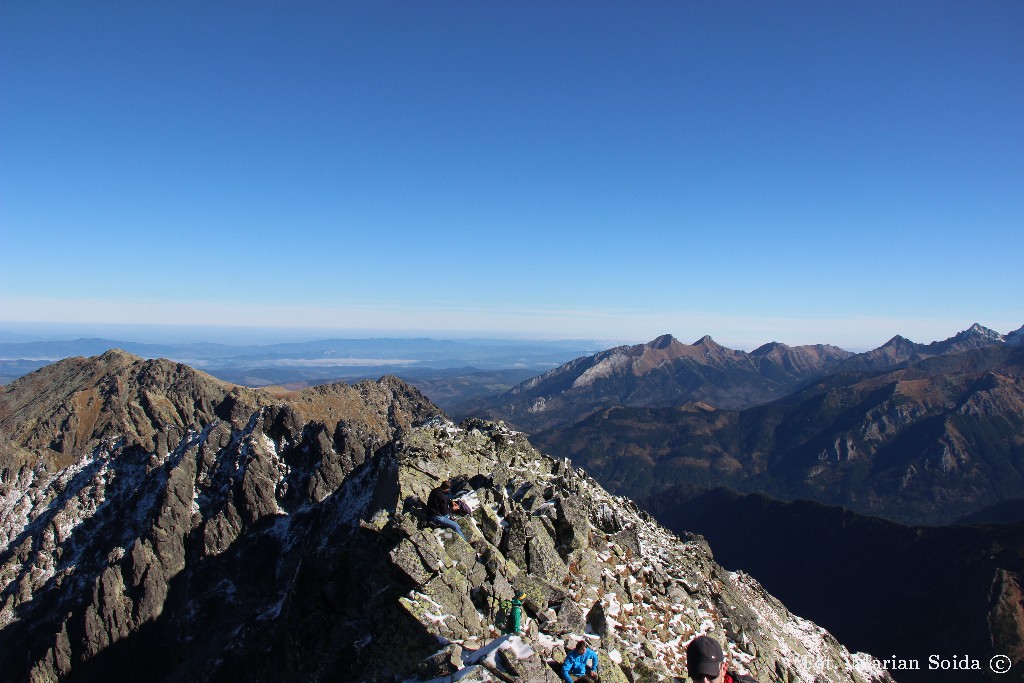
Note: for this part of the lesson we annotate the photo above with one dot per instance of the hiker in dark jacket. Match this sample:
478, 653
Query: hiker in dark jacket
439, 507
580, 665
705, 663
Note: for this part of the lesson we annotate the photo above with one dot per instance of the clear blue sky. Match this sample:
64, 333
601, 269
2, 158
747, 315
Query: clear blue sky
795, 171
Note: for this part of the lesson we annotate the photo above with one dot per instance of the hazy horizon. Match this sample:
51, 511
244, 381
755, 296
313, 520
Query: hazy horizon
265, 336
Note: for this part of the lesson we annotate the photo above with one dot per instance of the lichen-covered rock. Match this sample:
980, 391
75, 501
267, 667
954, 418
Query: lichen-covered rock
579, 555
569, 618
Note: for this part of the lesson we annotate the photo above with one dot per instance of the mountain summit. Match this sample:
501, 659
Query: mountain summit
65, 407
900, 351
661, 372
216, 534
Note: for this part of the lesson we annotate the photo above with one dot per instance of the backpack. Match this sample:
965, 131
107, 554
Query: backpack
741, 678
505, 619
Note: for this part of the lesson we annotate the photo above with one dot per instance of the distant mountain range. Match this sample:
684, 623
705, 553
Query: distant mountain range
900, 351
663, 372
384, 352
667, 372
919, 433
451, 371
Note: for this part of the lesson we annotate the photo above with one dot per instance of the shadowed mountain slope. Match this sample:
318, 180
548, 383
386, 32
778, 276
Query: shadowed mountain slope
912, 592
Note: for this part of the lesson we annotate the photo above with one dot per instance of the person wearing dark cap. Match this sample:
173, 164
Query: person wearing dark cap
580, 665
705, 663
439, 507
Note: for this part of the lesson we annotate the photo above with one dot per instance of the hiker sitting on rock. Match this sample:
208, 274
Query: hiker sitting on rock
439, 507
705, 663
580, 665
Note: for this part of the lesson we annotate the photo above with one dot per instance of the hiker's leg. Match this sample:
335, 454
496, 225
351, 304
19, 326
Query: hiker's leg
446, 521
458, 529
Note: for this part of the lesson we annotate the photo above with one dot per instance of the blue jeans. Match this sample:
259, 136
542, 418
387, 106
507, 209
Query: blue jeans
446, 521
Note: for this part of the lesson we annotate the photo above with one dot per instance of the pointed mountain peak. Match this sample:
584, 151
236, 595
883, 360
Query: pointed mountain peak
708, 342
662, 342
898, 340
974, 337
979, 331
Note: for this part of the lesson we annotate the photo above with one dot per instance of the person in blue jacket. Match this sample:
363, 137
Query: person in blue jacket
580, 665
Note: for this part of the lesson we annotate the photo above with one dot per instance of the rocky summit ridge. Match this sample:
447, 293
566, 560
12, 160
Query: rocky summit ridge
162, 525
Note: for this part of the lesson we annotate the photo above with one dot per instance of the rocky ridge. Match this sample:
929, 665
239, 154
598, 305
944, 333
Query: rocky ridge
1015, 338
592, 566
900, 351
190, 530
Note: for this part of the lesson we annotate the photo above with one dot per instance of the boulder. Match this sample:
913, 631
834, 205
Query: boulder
569, 618
444, 662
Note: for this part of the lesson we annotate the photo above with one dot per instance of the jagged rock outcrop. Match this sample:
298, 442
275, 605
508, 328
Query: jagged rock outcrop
190, 530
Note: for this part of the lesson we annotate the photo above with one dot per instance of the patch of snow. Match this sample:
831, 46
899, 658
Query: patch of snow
516, 645
486, 650
436, 616
16, 504
549, 643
